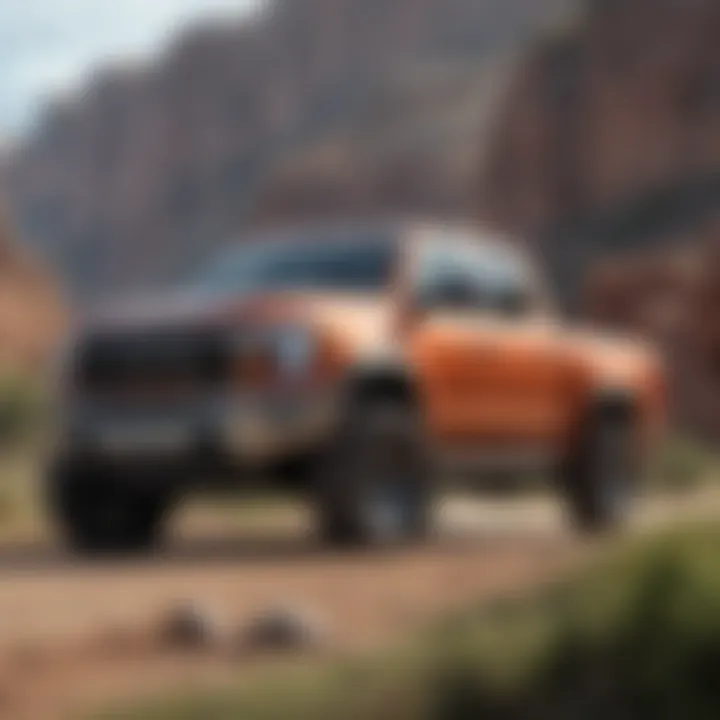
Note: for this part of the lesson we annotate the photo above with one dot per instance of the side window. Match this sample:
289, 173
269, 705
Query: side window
510, 288
475, 277
448, 280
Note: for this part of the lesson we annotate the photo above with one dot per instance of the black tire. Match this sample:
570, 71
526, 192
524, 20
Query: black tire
601, 480
374, 482
102, 516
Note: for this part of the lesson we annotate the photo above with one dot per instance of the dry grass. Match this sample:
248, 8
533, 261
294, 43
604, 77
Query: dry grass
21, 506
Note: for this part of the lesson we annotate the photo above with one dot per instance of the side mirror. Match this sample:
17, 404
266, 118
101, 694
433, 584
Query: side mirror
513, 302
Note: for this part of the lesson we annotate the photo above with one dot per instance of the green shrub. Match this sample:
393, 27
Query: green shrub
638, 639
21, 409
683, 463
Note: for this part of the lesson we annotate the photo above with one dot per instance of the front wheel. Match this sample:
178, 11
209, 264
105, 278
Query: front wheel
374, 482
99, 516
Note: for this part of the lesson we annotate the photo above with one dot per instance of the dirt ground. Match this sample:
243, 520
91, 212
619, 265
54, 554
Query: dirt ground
75, 636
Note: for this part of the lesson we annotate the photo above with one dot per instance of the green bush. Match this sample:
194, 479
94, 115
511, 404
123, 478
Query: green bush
21, 409
683, 463
638, 637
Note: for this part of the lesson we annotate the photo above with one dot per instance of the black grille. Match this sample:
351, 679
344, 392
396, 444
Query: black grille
152, 362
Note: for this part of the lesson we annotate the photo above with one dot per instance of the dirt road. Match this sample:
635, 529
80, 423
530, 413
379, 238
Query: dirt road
76, 635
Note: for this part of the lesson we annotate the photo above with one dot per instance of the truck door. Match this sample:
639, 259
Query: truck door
452, 363
490, 371
518, 356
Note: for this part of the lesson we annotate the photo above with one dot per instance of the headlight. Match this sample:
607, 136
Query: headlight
295, 351
289, 351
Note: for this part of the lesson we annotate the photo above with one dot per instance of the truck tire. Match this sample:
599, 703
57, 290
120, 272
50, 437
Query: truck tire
374, 481
601, 481
105, 517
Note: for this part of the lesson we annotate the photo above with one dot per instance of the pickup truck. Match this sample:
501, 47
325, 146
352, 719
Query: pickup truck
364, 364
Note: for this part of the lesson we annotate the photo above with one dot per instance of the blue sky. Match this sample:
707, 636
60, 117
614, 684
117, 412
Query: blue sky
48, 46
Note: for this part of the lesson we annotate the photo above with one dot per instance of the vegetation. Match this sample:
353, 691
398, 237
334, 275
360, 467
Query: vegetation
21, 409
23, 414
637, 636
684, 463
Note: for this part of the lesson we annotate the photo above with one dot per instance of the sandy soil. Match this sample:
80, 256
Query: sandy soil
75, 635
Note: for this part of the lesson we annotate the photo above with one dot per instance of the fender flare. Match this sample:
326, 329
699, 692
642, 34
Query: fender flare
615, 401
384, 376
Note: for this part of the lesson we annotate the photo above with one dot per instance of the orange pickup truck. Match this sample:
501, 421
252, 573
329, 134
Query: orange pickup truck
362, 364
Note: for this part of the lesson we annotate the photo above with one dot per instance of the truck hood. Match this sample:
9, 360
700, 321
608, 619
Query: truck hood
170, 308
357, 319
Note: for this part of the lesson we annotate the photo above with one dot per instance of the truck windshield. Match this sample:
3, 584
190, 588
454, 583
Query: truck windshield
359, 265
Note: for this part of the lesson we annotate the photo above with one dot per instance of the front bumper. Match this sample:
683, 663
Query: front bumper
247, 430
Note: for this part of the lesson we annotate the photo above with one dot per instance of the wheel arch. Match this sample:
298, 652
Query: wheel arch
615, 403
382, 380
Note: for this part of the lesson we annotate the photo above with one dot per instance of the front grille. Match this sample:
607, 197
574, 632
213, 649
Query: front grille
149, 364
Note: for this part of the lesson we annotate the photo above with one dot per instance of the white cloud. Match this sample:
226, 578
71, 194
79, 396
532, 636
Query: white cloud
47, 45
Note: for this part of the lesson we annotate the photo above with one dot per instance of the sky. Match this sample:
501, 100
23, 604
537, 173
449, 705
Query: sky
47, 46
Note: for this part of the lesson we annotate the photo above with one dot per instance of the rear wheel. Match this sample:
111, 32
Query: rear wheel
102, 516
601, 481
374, 482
